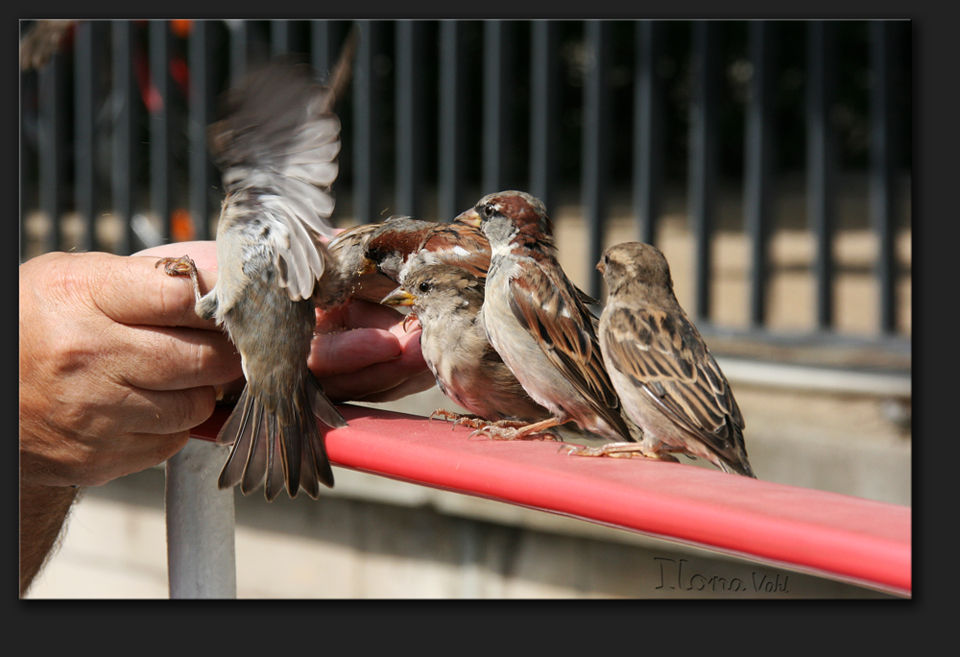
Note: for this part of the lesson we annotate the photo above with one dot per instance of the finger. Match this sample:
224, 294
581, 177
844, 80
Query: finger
411, 386
160, 358
203, 253
162, 412
133, 290
383, 377
139, 452
334, 354
357, 314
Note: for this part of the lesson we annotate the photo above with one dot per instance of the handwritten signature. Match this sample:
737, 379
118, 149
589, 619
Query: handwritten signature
673, 576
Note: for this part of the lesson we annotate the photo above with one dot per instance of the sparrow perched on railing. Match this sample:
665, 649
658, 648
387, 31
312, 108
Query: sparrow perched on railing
447, 299
535, 318
668, 382
276, 147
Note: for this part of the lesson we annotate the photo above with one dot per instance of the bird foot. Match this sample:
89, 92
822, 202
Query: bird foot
512, 430
618, 451
182, 266
472, 421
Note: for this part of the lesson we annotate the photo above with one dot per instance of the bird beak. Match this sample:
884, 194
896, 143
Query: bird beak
398, 297
369, 267
469, 218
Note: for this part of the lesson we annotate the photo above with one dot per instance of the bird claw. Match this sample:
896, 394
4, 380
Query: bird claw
617, 451
512, 430
182, 266
458, 418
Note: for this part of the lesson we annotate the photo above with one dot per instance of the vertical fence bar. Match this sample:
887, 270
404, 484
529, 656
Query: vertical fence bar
239, 44
496, 89
760, 155
647, 130
544, 109
821, 164
366, 178
86, 69
596, 147
281, 37
201, 112
453, 86
28, 159
161, 160
201, 525
703, 156
410, 97
882, 165
321, 47
123, 156
51, 126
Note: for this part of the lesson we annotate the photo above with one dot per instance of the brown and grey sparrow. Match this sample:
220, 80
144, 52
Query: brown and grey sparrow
668, 382
447, 299
536, 319
277, 148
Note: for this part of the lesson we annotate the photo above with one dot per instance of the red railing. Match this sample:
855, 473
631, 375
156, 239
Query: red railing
841, 537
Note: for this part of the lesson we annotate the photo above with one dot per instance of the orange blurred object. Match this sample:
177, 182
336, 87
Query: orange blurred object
181, 27
181, 226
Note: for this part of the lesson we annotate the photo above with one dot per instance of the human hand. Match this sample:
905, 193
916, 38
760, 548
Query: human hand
361, 351
115, 366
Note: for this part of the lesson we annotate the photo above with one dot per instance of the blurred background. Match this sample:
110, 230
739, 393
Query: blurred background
769, 160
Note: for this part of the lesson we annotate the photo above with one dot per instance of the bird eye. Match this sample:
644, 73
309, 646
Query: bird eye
489, 209
424, 287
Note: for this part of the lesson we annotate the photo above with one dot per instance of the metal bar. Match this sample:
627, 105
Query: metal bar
239, 35
201, 523
758, 170
50, 139
453, 86
409, 159
496, 61
882, 166
161, 158
703, 156
544, 109
123, 141
321, 47
596, 147
822, 163
648, 130
85, 185
366, 97
201, 111
281, 37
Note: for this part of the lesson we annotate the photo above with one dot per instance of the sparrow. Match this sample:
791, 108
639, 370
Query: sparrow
447, 300
537, 321
359, 277
667, 380
399, 240
372, 256
276, 147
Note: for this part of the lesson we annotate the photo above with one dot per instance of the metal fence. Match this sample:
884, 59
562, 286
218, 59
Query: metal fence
442, 112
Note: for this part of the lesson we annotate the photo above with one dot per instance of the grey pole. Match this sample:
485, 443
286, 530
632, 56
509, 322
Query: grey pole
201, 554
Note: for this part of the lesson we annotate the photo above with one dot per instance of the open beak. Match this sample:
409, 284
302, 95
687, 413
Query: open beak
398, 297
368, 267
469, 218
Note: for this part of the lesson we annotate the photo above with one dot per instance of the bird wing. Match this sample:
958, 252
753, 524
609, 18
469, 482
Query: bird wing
664, 355
277, 147
550, 309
